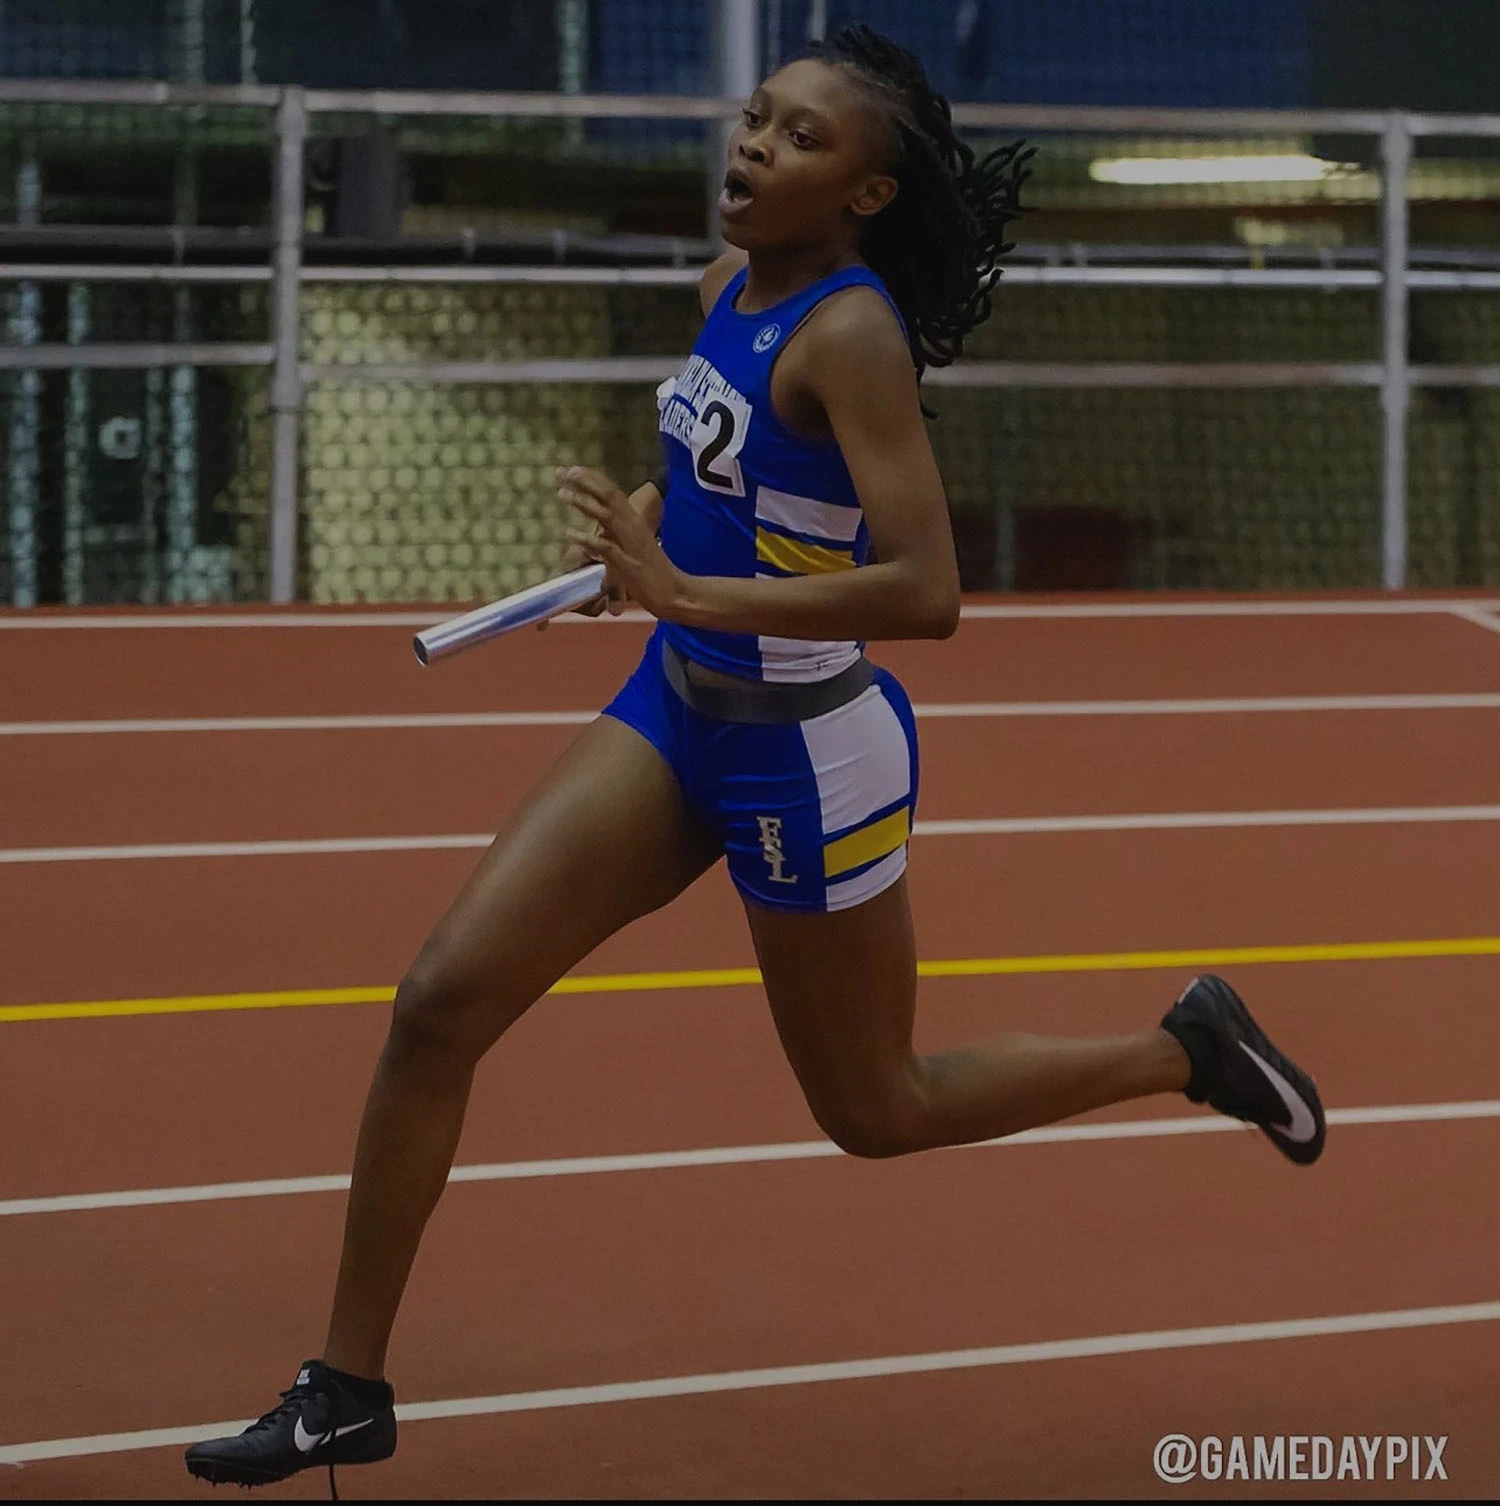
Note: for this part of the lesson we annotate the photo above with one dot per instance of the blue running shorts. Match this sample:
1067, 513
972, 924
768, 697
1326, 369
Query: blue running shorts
812, 815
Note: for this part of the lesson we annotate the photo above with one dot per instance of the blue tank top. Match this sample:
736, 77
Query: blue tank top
745, 496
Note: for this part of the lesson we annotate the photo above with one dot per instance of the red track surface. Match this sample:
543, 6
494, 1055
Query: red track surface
142, 1318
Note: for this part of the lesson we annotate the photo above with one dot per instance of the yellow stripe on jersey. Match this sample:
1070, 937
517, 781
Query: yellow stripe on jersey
867, 844
799, 558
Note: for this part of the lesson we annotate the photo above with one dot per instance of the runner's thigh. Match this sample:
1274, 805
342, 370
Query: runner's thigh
605, 838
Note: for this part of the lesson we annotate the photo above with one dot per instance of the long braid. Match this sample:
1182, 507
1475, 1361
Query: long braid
939, 243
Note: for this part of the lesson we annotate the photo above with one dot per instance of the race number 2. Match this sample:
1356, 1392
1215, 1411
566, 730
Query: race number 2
718, 437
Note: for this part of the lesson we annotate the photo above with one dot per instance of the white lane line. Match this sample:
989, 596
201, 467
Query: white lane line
502, 1171
1151, 1341
1218, 706
975, 611
1209, 820
937, 711
1375, 607
1412, 815
432, 720
306, 847
1480, 617
113, 622
730, 1155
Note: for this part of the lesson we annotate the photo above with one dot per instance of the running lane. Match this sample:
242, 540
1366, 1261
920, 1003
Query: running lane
251, 786
588, 1280
191, 926
99, 673
278, 1093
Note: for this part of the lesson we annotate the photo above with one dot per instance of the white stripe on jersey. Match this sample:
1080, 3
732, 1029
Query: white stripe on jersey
819, 520
797, 661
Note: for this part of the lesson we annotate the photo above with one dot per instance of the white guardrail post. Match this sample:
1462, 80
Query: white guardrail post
286, 375
738, 29
24, 328
1395, 387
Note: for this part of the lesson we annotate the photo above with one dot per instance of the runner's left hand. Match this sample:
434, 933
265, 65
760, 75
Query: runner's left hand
624, 542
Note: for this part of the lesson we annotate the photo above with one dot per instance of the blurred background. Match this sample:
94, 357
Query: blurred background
304, 298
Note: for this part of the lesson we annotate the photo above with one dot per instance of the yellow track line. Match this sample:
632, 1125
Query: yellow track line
736, 977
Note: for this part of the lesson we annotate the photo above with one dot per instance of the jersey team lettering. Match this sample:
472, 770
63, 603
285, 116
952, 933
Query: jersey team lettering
1300, 1456
689, 394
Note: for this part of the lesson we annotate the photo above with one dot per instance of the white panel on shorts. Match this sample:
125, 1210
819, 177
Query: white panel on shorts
847, 893
788, 661
819, 520
861, 760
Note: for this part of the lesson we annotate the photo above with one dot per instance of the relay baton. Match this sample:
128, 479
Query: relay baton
535, 604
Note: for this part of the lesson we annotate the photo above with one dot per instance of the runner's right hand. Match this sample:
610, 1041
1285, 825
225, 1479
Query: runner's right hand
613, 598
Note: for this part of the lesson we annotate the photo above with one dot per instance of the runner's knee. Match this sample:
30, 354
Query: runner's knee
874, 1126
435, 1015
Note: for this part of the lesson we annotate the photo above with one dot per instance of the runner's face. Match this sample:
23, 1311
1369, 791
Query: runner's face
806, 163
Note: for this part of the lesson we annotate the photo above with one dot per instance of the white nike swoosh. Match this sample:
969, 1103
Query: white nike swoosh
1303, 1126
306, 1442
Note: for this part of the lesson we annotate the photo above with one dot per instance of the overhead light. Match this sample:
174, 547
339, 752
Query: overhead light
1292, 167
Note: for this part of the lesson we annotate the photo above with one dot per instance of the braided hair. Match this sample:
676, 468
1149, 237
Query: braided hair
938, 244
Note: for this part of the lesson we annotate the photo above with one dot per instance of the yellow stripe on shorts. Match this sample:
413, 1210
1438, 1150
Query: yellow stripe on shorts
799, 558
867, 844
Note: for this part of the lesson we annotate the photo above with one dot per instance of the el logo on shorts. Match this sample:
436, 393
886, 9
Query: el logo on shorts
770, 845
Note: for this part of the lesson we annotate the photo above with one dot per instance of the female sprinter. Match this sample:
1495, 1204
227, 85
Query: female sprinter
802, 514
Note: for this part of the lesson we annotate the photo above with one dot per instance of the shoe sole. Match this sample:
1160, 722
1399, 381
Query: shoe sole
216, 1473
1301, 1153
225, 1472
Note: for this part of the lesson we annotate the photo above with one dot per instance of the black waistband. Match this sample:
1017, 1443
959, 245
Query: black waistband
761, 703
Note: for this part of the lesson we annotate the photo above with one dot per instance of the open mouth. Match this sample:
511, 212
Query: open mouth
737, 188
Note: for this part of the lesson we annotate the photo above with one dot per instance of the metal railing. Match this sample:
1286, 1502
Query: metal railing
1394, 374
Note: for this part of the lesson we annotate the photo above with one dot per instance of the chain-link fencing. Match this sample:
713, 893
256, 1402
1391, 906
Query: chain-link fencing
1188, 379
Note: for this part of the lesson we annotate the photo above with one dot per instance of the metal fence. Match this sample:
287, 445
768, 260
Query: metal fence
1160, 52
296, 428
